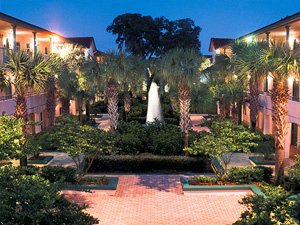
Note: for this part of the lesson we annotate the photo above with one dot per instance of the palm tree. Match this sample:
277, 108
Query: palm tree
246, 65
133, 77
28, 72
180, 69
113, 69
280, 62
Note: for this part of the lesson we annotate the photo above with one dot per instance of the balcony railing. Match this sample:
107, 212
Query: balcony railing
6, 97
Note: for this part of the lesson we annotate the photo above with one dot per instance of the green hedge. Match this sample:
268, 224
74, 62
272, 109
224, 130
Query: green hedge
246, 175
149, 163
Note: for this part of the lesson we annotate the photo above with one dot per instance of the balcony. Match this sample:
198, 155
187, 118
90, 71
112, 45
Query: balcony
35, 103
293, 107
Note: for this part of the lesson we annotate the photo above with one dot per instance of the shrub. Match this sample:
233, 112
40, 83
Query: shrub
294, 176
205, 179
149, 163
273, 209
57, 173
163, 139
155, 138
30, 199
248, 175
267, 146
132, 137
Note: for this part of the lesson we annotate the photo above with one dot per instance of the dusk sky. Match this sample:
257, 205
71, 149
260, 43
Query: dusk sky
217, 18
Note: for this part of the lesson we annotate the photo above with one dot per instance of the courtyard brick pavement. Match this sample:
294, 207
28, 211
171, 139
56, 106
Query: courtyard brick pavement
159, 200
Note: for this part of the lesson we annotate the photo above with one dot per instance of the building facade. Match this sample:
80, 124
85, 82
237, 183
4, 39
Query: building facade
17, 35
286, 30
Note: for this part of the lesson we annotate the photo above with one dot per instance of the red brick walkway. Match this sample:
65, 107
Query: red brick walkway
159, 200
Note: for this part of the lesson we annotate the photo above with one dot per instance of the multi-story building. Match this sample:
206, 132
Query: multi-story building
17, 35
286, 30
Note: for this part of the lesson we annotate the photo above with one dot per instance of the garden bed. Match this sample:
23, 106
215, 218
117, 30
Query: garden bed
186, 186
259, 161
41, 160
94, 183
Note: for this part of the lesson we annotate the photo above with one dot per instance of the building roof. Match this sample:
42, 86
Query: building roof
216, 43
22, 23
86, 42
282, 22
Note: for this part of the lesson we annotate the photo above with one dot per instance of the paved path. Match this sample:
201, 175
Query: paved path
159, 200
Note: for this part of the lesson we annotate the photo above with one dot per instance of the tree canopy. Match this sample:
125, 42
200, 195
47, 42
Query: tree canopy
146, 36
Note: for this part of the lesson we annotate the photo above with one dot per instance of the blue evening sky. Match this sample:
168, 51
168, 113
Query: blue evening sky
217, 18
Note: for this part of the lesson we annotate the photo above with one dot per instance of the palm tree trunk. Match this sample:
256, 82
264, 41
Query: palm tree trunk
184, 109
279, 97
51, 102
127, 104
21, 107
65, 102
21, 113
253, 103
111, 93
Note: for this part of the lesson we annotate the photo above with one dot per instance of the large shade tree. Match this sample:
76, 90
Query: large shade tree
147, 37
180, 69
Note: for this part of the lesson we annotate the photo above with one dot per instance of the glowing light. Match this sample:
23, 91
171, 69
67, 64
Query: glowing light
249, 39
55, 39
218, 51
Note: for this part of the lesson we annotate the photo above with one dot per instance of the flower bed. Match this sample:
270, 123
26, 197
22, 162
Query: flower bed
94, 183
186, 186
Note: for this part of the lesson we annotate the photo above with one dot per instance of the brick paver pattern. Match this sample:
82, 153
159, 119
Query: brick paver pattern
159, 200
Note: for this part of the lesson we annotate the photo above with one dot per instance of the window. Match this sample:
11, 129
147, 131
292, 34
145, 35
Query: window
296, 89
266, 84
46, 51
27, 47
41, 120
60, 111
18, 46
294, 134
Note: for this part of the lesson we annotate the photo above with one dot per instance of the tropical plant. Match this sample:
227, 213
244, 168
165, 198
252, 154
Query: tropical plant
12, 138
113, 69
219, 144
180, 69
26, 73
272, 209
82, 143
280, 62
248, 68
30, 199
226, 88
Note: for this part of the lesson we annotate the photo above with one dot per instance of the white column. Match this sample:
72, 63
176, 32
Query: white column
287, 37
14, 31
34, 43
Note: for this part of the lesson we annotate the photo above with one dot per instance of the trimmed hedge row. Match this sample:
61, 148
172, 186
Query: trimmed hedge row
149, 163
